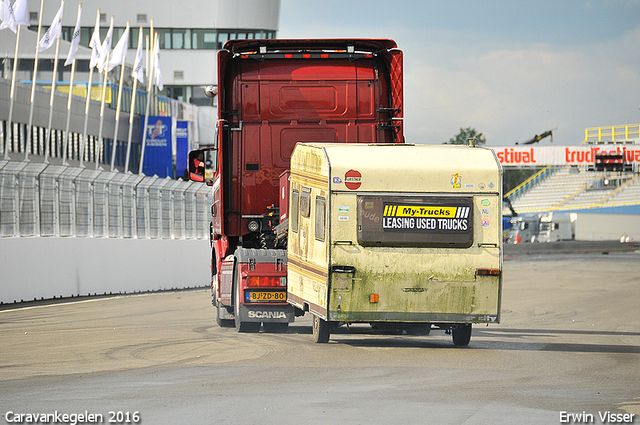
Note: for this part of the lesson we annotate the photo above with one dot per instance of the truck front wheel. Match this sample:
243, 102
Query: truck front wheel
461, 335
321, 330
220, 320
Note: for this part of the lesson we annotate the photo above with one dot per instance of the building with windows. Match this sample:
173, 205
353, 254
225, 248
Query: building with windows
190, 34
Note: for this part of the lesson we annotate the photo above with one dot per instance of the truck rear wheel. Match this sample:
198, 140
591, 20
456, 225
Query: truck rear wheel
461, 335
321, 330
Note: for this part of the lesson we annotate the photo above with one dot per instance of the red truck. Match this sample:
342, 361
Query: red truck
273, 94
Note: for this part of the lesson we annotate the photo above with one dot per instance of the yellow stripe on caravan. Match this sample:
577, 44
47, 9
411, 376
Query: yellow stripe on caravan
306, 268
306, 272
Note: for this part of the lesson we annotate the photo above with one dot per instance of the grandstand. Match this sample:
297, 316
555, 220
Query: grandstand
572, 188
585, 188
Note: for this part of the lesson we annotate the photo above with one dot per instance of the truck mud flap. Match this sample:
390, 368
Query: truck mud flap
267, 313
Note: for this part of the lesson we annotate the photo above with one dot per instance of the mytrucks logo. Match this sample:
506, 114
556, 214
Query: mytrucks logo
426, 218
267, 315
352, 179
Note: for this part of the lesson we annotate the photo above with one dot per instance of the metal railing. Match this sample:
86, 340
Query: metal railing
530, 183
614, 133
38, 199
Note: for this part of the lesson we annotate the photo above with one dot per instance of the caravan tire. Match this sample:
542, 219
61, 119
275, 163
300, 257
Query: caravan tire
321, 330
461, 335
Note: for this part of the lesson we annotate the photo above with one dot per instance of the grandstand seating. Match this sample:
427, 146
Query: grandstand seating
574, 188
630, 194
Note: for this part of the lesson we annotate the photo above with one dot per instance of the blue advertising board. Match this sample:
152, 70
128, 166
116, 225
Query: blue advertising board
157, 153
182, 147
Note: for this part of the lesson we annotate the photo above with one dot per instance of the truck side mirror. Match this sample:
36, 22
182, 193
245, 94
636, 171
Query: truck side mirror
196, 165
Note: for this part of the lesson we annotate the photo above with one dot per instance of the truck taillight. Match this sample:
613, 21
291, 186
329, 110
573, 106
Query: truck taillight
488, 272
266, 281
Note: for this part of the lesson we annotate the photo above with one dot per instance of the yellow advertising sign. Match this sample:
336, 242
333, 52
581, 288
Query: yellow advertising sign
418, 211
81, 91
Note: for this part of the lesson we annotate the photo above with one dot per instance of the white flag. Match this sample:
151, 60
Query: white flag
138, 64
120, 51
156, 66
8, 17
75, 40
95, 43
21, 12
105, 48
54, 32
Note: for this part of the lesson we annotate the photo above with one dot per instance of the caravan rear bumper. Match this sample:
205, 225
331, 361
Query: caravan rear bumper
368, 317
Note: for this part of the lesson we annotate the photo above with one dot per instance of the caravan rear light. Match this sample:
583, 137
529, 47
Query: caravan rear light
488, 272
266, 281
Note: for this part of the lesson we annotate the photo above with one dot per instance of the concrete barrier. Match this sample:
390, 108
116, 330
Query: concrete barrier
569, 247
35, 268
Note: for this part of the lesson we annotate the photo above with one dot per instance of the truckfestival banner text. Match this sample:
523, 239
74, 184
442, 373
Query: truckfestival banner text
561, 155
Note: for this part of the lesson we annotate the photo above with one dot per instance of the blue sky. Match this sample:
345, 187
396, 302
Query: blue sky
510, 69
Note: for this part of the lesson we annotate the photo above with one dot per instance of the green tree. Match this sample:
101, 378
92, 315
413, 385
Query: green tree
465, 134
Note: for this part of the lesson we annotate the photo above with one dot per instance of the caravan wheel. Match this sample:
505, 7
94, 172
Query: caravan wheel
321, 330
461, 335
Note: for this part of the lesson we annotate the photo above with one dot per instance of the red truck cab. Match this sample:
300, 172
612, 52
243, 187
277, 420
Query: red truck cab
273, 94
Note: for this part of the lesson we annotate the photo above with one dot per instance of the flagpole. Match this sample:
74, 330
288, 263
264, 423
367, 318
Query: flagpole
53, 95
102, 102
115, 133
9, 136
133, 102
86, 115
73, 71
33, 84
131, 115
149, 48
146, 114
105, 50
88, 97
66, 129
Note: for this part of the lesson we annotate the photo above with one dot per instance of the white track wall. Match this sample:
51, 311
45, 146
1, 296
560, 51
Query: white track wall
37, 268
70, 231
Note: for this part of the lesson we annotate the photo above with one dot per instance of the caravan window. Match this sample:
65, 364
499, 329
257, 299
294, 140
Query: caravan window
305, 202
320, 217
295, 208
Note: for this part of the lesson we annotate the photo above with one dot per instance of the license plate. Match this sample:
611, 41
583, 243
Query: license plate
265, 296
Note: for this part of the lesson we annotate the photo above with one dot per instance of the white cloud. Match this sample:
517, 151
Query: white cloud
512, 93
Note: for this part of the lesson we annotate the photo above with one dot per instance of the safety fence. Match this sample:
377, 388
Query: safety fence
614, 133
39, 199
